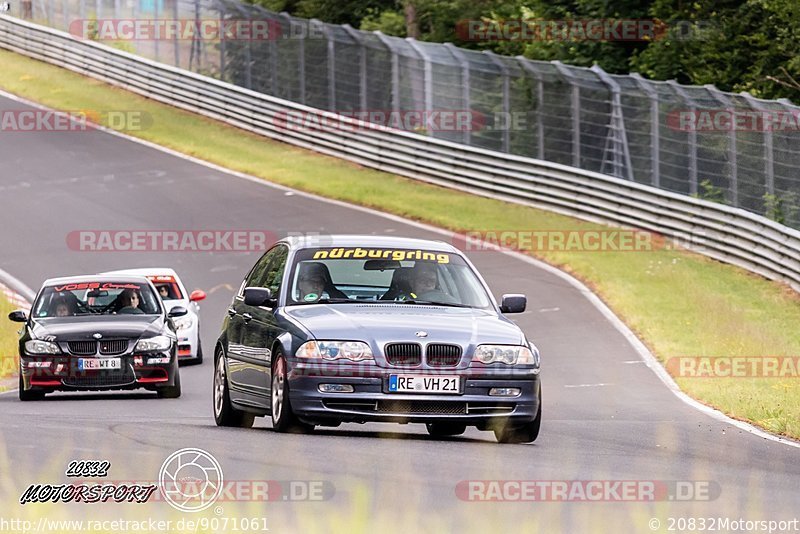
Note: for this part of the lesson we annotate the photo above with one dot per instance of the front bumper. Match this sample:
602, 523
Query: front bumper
62, 373
371, 400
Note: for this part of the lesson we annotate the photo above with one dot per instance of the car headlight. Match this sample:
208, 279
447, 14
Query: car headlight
507, 354
151, 344
335, 350
36, 346
183, 323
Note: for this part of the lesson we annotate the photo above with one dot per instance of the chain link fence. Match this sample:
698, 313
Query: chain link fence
729, 148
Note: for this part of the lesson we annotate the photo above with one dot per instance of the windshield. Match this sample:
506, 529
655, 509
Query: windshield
384, 275
96, 298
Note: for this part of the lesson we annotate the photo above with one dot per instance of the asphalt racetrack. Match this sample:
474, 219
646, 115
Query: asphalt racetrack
607, 416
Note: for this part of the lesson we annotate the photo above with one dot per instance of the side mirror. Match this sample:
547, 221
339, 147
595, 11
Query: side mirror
18, 316
197, 295
513, 303
177, 311
257, 296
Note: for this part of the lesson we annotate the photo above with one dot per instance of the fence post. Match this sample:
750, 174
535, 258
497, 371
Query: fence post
506, 98
395, 70
733, 148
526, 66
465, 85
655, 131
692, 137
176, 56
331, 62
622, 154
576, 112
301, 55
428, 77
362, 66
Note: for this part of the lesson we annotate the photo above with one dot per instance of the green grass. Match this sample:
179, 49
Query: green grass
678, 303
8, 341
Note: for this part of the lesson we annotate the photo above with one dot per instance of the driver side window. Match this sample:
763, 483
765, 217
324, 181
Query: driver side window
274, 274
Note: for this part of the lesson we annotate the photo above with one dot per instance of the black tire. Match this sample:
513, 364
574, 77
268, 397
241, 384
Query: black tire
30, 395
173, 391
283, 418
199, 358
526, 433
224, 412
443, 430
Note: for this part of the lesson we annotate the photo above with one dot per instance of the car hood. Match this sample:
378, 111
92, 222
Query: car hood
378, 324
109, 326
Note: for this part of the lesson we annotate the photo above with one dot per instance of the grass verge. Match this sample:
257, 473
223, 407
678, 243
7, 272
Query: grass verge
679, 303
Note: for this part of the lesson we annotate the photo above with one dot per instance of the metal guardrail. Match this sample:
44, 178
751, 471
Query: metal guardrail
694, 140
728, 234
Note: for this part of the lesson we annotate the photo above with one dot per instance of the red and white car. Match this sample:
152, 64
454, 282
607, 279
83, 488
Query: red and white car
173, 293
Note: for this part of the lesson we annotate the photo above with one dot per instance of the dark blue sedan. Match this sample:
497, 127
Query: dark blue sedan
361, 329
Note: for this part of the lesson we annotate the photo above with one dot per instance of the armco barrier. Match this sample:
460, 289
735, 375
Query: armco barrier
721, 232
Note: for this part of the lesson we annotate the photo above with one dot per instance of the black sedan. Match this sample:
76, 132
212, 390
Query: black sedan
98, 333
369, 329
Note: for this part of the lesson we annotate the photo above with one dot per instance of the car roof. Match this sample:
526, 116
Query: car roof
146, 271
377, 241
95, 278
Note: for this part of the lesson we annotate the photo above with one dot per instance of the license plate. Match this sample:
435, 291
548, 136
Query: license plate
84, 364
424, 384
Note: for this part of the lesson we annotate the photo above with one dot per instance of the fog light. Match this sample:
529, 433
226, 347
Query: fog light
504, 392
164, 359
335, 388
38, 365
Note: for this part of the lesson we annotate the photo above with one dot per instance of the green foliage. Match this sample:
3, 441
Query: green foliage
708, 191
783, 209
738, 45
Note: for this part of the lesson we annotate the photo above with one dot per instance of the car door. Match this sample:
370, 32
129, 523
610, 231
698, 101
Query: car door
261, 330
244, 381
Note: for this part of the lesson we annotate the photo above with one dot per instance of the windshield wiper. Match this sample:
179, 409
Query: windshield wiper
433, 303
336, 300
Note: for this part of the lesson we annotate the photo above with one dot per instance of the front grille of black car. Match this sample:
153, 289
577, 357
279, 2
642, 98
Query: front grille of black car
113, 346
442, 355
101, 378
403, 354
83, 347
422, 407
